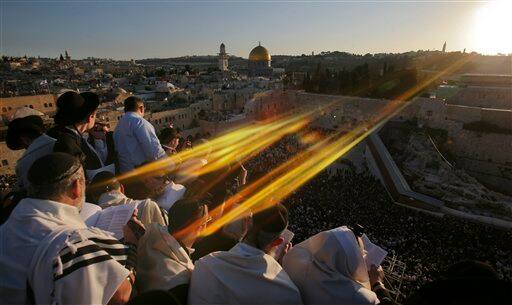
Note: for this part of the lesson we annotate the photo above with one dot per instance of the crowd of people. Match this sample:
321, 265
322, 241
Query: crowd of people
426, 243
105, 217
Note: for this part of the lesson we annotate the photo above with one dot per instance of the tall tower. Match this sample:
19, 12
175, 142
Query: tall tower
444, 47
223, 58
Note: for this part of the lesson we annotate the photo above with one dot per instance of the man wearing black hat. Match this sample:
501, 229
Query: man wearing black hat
49, 256
27, 132
76, 115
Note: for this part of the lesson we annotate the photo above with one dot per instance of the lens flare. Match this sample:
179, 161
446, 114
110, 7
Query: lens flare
281, 182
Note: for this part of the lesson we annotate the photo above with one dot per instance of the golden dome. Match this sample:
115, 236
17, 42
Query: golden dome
259, 53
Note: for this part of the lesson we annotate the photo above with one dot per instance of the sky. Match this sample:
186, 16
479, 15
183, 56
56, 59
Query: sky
167, 28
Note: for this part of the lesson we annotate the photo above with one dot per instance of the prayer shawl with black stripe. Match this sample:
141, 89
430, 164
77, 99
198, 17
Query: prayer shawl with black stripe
87, 267
47, 245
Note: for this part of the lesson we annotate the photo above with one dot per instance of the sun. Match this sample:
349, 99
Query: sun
492, 31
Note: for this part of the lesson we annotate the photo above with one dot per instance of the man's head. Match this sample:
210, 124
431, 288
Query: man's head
267, 227
134, 104
77, 109
58, 177
23, 131
154, 185
187, 218
103, 182
169, 138
90, 99
237, 229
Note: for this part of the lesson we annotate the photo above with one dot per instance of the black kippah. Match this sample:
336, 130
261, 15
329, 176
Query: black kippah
104, 182
184, 212
271, 220
52, 168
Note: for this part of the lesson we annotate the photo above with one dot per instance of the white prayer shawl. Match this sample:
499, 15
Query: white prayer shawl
243, 275
329, 268
41, 146
148, 210
42, 243
57, 280
172, 193
162, 262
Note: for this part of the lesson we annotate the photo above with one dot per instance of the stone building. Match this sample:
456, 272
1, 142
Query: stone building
223, 58
44, 103
259, 62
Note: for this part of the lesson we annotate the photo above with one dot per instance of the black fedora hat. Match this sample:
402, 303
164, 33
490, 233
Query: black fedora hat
73, 107
32, 124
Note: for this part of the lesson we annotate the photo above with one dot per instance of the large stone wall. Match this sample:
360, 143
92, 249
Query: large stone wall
501, 118
485, 155
488, 147
44, 103
215, 128
483, 97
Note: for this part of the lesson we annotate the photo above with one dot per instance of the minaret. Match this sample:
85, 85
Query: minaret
223, 58
444, 47
67, 57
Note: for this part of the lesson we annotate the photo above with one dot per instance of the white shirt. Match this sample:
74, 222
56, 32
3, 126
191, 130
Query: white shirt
242, 275
47, 245
41, 146
162, 262
136, 142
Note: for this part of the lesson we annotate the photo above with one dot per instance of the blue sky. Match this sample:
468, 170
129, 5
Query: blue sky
143, 29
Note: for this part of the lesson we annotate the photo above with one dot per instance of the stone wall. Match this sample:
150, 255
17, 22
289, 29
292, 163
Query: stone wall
44, 103
483, 97
485, 155
180, 118
501, 118
215, 128
8, 159
488, 147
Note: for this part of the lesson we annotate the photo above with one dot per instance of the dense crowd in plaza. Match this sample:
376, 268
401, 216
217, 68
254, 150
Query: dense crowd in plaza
95, 216
426, 243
